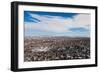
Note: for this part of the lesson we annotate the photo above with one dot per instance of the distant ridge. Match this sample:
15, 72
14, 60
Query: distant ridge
54, 37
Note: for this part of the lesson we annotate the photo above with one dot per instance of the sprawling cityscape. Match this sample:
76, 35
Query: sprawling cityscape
56, 48
50, 36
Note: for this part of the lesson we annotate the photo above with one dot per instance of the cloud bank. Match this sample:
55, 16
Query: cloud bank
60, 24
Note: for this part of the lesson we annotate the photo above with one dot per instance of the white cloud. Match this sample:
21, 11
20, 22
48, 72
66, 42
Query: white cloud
58, 24
82, 20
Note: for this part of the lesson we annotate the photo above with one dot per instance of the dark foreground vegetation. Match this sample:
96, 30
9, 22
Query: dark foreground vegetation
56, 48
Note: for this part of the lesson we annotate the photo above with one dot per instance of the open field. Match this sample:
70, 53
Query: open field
56, 48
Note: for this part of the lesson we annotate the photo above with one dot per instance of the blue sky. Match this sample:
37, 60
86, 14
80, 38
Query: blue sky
56, 24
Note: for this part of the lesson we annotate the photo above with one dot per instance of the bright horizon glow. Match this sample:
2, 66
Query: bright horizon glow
56, 24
